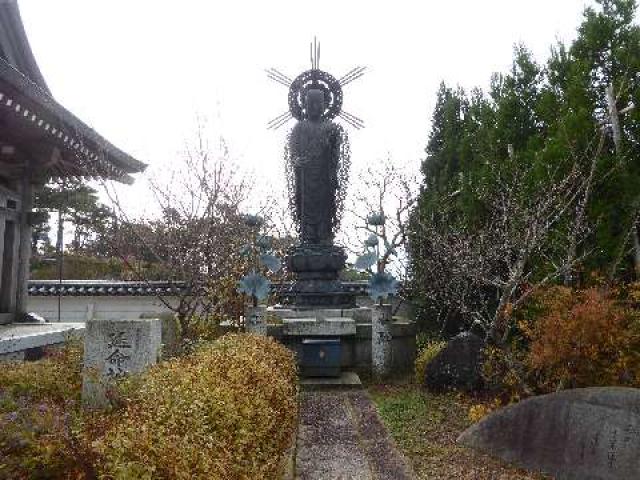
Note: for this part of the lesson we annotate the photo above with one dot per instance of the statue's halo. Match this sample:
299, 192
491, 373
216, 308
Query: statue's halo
319, 80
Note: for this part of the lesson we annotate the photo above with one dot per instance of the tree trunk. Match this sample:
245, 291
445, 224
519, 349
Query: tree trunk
617, 140
636, 250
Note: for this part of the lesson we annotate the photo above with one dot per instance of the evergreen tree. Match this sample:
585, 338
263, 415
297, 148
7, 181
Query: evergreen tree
77, 204
556, 120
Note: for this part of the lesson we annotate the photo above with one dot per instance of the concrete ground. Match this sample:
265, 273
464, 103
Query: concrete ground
341, 437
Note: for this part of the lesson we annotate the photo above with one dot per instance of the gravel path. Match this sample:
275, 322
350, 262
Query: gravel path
341, 437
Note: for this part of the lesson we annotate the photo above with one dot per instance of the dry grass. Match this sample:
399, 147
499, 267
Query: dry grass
425, 426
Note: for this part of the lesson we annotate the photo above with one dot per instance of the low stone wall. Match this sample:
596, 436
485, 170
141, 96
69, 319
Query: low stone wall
85, 308
356, 349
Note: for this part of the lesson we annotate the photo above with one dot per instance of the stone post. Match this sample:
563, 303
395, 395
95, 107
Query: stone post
114, 349
256, 320
381, 339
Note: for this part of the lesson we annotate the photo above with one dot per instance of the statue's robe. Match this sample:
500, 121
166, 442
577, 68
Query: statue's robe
314, 160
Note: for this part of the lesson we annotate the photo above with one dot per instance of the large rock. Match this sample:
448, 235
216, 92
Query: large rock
458, 365
586, 434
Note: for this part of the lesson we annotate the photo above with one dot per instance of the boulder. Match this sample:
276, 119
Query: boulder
586, 434
458, 365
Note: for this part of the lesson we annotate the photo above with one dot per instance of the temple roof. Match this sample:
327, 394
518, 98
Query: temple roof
35, 130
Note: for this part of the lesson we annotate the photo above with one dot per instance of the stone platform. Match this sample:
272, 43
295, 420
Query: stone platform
352, 326
18, 340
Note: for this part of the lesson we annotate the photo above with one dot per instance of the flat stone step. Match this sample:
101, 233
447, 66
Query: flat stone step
346, 381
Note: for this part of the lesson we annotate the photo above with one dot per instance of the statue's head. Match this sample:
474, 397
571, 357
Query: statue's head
315, 104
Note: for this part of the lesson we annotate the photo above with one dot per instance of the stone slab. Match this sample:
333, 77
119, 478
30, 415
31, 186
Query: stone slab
12, 357
116, 348
346, 380
586, 434
18, 337
321, 313
329, 326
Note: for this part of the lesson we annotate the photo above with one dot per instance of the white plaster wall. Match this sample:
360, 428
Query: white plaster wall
82, 309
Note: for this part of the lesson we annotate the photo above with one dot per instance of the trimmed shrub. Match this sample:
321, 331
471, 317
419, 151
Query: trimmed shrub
228, 411
57, 377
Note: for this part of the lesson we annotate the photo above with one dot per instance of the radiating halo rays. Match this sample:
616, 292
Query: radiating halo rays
352, 75
316, 79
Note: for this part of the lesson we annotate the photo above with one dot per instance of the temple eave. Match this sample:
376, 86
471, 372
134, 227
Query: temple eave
37, 125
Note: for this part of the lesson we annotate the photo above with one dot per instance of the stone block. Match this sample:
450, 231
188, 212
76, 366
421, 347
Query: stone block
346, 381
585, 434
321, 313
113, 349
255, 320
171, 332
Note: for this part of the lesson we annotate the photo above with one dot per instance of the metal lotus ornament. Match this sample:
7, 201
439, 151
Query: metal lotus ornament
255, 285
253, 220
366, 261
372, 241
382, 285
259, 253
376, 219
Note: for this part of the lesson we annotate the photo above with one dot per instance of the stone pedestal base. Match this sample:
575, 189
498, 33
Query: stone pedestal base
316, 268
354, 329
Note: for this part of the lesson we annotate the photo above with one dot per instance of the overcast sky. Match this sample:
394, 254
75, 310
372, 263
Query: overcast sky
140, 71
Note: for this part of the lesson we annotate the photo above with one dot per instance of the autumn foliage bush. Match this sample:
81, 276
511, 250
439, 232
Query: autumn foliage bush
568, 338
227, 411
585, 338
